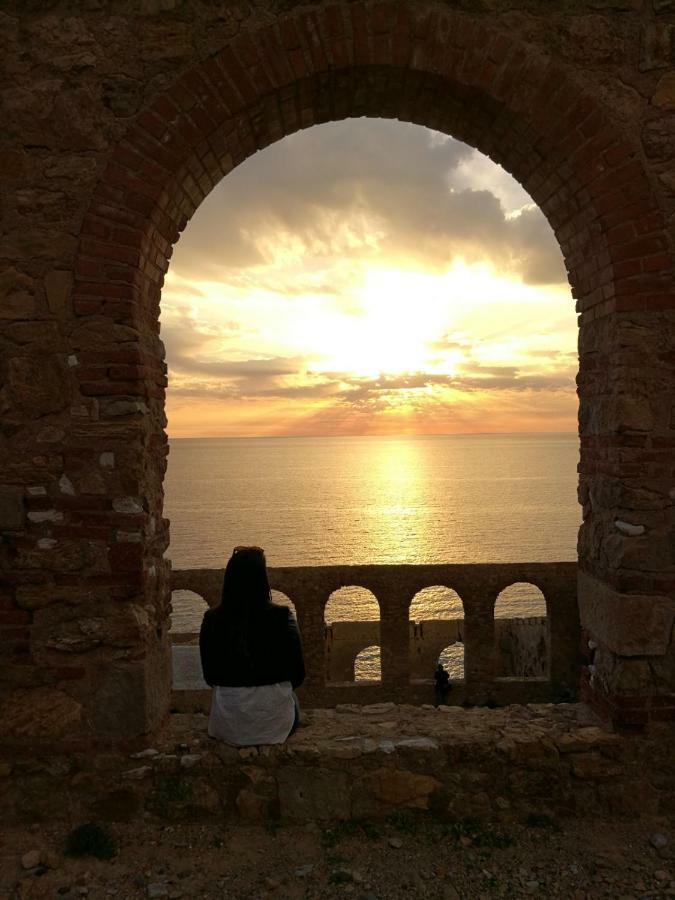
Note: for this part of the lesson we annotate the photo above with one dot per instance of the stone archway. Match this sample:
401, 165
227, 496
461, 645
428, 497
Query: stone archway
85, 609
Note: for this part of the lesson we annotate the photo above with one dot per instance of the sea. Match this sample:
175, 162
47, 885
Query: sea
479, 498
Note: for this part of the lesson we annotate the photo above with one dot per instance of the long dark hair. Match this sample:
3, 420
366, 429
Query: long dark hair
246, 589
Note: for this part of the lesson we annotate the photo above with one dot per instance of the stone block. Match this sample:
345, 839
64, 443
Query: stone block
37, 386
16, 295
656, 46
532, 751
307, 793
584, 739
11, 508
664, 95
124, 408
594, 766
627, 624
122, 95
39, 713
252, 807
58, 284
398, 787
133, 697
92, 335
632, 413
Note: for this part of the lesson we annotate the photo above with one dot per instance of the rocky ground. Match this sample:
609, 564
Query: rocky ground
400, 857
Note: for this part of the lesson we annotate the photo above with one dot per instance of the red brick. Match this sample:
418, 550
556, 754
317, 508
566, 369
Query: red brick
86, 307
290, 36
14, 633
128, 372
334, 20
91, 373
109, 251
112, 389
627, 268
658, 263
69, 673
383, 17
89, 268
644, 246
126, 557
95, 228
14, 617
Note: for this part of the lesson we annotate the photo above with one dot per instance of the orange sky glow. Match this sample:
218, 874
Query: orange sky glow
368, 277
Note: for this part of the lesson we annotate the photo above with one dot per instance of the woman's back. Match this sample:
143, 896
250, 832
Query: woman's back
251, 656
264, 649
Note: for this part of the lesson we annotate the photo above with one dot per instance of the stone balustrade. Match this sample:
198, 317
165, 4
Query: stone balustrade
485, 640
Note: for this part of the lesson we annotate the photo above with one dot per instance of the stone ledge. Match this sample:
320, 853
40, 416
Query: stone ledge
360, 762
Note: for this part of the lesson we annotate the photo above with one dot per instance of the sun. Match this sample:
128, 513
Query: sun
399, 314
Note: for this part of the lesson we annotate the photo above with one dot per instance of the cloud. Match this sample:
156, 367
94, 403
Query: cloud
267, 379
363, 188
249, 369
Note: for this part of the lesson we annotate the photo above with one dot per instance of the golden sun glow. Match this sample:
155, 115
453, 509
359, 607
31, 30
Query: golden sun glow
401, 312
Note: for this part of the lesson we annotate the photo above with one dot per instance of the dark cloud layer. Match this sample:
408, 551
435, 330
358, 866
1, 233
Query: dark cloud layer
335, 186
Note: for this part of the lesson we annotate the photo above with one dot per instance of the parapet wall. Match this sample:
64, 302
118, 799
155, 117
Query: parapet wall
358, 763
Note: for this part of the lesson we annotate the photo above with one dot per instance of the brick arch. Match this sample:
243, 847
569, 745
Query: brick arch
420, 63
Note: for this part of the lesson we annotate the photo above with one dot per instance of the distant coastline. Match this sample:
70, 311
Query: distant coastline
457, 434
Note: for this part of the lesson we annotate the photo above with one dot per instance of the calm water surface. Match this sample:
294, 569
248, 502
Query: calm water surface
320, 501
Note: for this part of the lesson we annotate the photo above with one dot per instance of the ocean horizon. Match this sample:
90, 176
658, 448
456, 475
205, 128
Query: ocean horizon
308, 501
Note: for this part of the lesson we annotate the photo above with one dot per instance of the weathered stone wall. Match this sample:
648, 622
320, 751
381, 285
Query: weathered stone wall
359, 763
119, 116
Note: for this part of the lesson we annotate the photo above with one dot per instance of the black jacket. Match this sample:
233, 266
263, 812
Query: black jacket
272, 654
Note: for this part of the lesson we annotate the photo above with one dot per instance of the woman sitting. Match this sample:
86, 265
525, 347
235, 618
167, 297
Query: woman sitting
251, 656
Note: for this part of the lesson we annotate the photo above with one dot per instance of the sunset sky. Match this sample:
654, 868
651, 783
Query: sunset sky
368, 277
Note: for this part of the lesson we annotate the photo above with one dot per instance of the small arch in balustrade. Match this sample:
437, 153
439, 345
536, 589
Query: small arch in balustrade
187, 612
368, 665
436, 616
281, 599
436, 602
351, 603
522, 632
452, 658
351, 618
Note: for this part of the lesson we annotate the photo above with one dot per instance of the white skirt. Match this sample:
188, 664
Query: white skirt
248, 716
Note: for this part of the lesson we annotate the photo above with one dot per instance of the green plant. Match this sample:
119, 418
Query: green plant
402, 821
332, 836
91, 839
168, 791
339, 877
371, 831
541, 820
